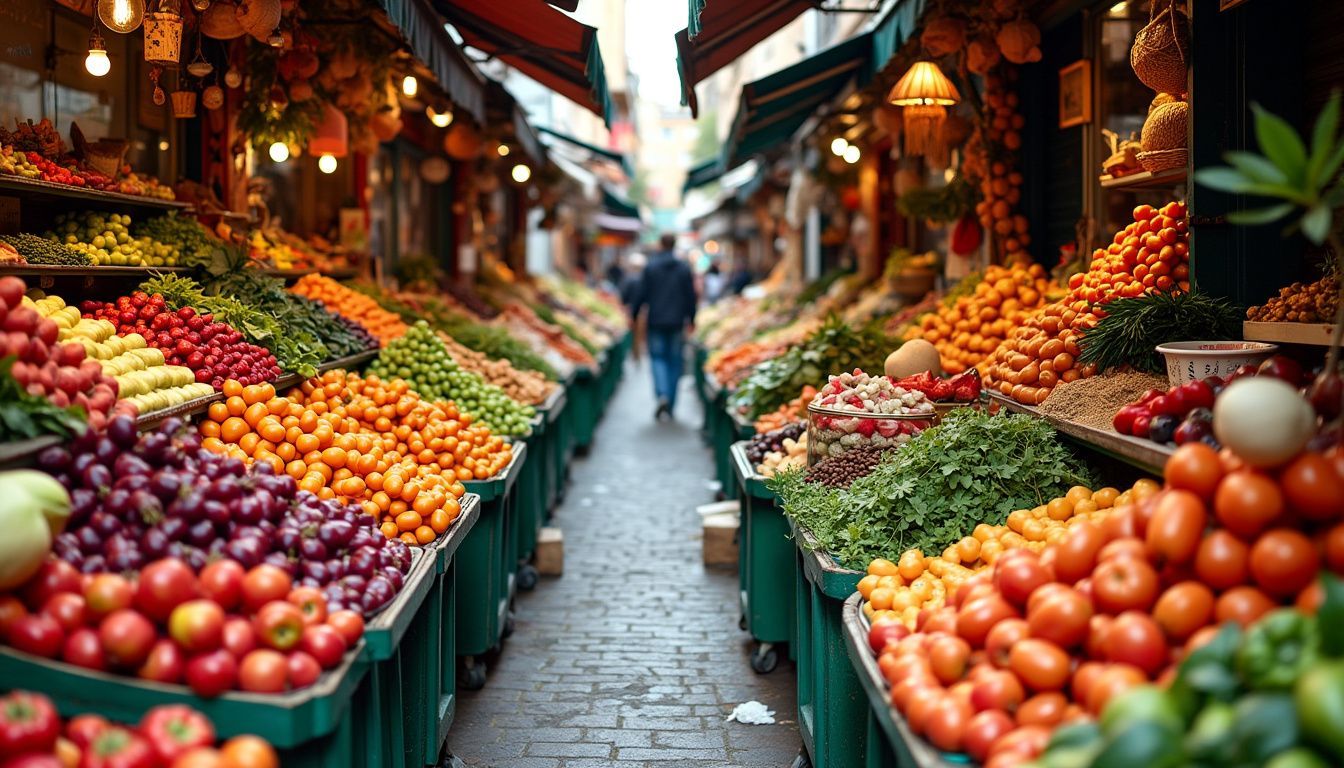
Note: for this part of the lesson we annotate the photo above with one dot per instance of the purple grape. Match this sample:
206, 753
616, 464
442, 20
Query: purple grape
82, 462
392, 575
132, 482
107, 451
82, 504
105, 524
314, 570
122, 432
312, 549
153, 446
174, 527
289, 539
361, 562
249, 510
335, 568
365, 537
171, 426
155, 543
54, 459
248, 552
355, 583
127, 464
89, 540
280, 560
379, 593
201, 533
196, 558
225, 489
147, 507
217, 512
95, 563
336, 533
97, 477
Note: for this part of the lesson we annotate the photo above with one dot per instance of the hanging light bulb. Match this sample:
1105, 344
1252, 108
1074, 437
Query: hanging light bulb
326, 164
410, 86
521, 173
503, 150
439, 119
851, 154
97, 62
122, 16
278, 151
838, 146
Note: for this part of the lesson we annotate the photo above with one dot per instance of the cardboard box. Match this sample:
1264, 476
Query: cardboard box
720, 539
550, 552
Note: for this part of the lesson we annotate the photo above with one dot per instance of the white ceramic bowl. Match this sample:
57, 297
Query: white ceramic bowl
1191, 360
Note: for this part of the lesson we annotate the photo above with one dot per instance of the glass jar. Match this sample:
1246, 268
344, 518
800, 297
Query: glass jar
834, 432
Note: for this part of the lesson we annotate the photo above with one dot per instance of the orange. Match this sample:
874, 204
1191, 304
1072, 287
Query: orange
232, 388
210, 428
236, 405
233, 428
218, 412
254, 413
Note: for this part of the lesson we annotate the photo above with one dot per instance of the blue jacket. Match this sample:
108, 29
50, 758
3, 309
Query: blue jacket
668, 290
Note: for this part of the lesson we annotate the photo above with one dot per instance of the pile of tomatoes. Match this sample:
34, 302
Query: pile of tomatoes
1048, 637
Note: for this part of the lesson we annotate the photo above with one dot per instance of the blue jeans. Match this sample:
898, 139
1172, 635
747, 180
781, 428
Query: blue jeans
666, 362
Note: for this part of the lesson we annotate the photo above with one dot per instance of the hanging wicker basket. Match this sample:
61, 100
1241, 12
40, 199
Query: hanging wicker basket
1161, 51
184, 104
1165, 127
163, 38
1163, 159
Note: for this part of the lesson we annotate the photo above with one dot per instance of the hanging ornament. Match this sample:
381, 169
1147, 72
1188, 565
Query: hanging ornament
233, 78
160, 98
259, 18
925, 93
163, 34
200, 5
184, 104
220, 21
332, 135
277, 97
199, 67
213, 97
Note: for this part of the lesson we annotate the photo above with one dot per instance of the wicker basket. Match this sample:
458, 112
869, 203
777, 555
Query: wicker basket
1165, 127
1160, 54
1163, 159
184, 104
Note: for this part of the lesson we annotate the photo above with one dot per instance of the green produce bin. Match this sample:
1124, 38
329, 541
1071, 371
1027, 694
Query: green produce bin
553, 459
485, 576
311, 727
531, 504
764, 564
723, 435
831, 703
584, 399
439, 675
890, 741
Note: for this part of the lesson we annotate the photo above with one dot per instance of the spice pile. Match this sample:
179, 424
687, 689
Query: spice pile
1093, 402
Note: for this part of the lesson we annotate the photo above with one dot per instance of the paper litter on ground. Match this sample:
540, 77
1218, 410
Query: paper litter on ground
752, 713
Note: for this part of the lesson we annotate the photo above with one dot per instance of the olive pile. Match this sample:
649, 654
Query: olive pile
39, 250
840, 471
773, 441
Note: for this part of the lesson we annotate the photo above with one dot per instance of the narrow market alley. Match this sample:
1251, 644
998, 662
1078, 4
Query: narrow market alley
634, 656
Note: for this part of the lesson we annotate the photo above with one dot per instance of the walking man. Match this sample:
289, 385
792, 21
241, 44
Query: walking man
667, 289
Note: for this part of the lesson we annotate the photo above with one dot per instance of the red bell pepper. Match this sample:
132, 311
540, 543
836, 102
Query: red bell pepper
175, 729
117, 747
28, 723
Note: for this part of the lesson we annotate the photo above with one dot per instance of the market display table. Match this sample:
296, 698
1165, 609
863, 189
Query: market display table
889, 738
531, 505
831, 703
554, 459
585, 398
764, 564
486, 565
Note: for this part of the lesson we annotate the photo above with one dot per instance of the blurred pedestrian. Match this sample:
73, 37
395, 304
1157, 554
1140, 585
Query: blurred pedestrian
667, 290
715, 282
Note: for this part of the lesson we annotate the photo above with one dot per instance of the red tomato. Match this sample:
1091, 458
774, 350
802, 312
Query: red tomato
943, 619
1076, 553
127, 638
1113, 680
52, 578
164, 585
67, 609
327, 646
1043, 709
946, 724
1222, 560
211, 674
1247, 502
1097, 627
1312, 488
238, 636
997, 689
1061, 618
1135, 639
248, 752
1124, 584
948, 655
920, 705
349, 623
1120, 549
107, 593
83, 649
1284, 562
1177, 526
1027, 741
11, 608
1334, 558
902, 692
303, 670
1018, 573
222, 581
279, 625
263, 584
977, 617
1002, 637
197, 625
1194, 467
263, 671
1310, 599
165, 663
1243, 605
1119, 524
1041, 665
1084, 678
983, 729
83, 729
313, 604
1183, 609
879, 635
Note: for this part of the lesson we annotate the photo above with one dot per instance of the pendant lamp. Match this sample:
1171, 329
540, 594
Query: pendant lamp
332, 135
923, 93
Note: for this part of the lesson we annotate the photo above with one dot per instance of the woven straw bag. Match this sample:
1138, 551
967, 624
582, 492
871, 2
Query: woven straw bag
1161, 50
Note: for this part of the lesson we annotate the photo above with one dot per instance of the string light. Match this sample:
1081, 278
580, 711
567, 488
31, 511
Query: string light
521, 173
326, 164
439, 119
838, 146
410, 86
279, 152
503, 150
97, 62
851, 154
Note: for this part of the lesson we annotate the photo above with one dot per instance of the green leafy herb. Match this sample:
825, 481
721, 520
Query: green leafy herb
942, 204
24, 416
1132, 328
972, 468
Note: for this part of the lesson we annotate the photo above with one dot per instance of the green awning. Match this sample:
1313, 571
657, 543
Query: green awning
718, 32
423, 31
774, 107
702, 174
616, 205
896, 25
539, 41
592, 149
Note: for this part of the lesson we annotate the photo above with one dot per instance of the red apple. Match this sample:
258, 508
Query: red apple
127, 638
164, 585
303, 670
279, 625
211, 674
197, 625
325, 644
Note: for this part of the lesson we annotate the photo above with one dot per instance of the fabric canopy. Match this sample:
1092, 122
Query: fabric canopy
702, 174
719, 31
539, 41
592, 149
774, 107
896, 25
616, 205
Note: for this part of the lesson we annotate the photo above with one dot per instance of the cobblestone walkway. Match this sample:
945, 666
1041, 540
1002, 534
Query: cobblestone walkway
633, 657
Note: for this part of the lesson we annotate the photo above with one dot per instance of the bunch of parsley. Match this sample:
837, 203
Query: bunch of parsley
973, 468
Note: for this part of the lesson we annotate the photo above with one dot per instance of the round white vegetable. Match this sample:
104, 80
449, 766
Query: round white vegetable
1263, 420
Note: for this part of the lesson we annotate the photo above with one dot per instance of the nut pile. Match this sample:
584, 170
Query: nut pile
840, 471
39, 250
792, 455
888, 410
524, 386
1298, 303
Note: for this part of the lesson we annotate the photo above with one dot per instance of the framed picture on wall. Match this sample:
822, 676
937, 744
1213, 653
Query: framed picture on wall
1075, 94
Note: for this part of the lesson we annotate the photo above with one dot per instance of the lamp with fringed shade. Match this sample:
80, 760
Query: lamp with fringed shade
924, 93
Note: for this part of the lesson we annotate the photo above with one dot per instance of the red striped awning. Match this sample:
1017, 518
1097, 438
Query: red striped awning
723, 30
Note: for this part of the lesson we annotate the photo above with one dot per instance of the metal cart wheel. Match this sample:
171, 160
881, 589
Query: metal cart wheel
528, 577
802, 760
451, 761
509, 625
742, 622
472, 677
764, 659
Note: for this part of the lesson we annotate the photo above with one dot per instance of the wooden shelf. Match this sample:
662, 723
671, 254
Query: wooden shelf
1146, 180
45, 191
51, 270
21, 452
1317, 334
288, 274
1143, 454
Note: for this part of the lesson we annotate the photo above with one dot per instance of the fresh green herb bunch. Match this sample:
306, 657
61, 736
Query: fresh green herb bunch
195, 245
972, 468
40, 250
24, 415
421, 358
296, 314
296, 350
1132, 328
833, 348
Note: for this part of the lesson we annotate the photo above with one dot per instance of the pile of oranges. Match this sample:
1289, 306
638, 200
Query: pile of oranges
366, 441
384, 325
966, 332
1151, 253
900, 590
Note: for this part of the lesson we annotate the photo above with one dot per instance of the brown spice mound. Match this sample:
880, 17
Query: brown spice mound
1093, 401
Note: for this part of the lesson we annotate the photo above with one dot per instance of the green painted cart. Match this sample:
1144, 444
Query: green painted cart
831, 703
765, 564
585, 397
531, 504
438, 680
486, 571
554, 459
890, 740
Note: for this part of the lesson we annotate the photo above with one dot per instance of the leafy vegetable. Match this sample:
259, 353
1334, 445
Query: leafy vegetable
817, 289
24, 415
196, 246
971, 468
833, 348
1132, 328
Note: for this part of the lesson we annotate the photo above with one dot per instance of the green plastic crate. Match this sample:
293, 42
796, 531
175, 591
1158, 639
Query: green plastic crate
583, 400
552, 457
485, 575
765, 561
531, 493
722, 437
310, 727
890, 741
831, 703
